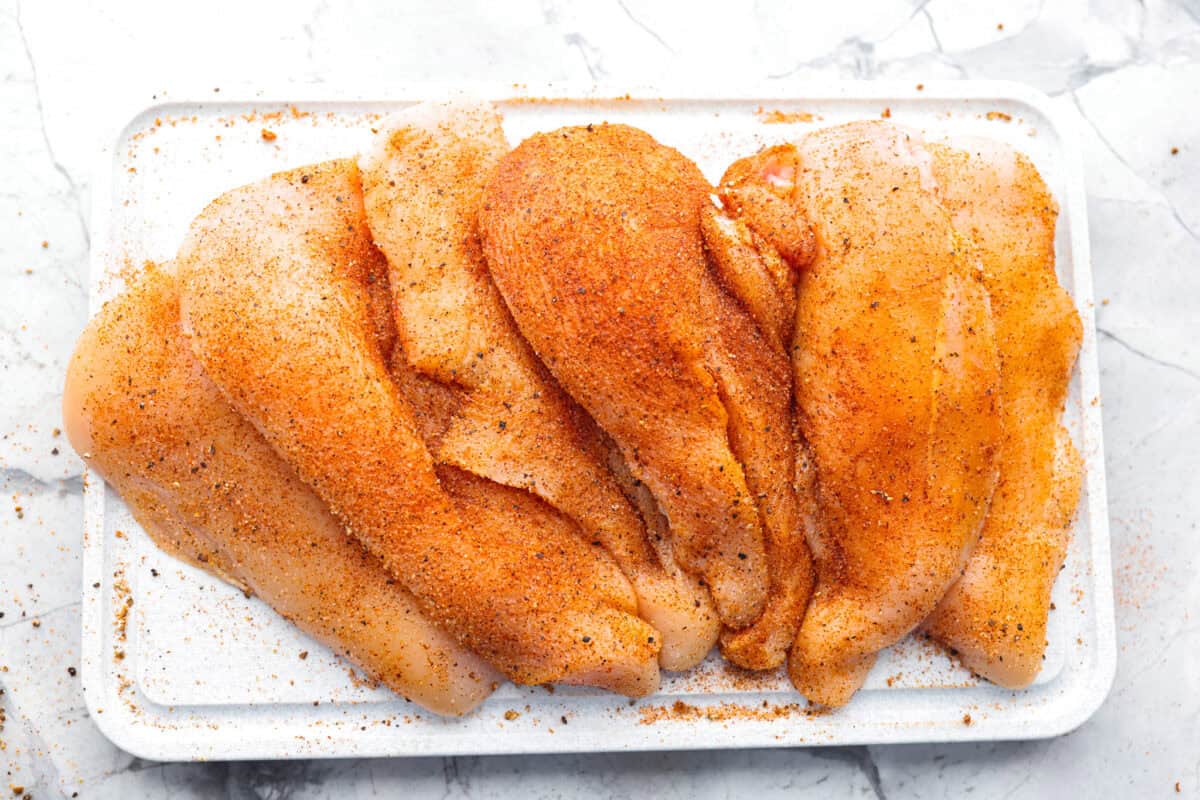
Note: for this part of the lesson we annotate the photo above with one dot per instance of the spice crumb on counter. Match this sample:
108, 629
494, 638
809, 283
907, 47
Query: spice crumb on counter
269, 135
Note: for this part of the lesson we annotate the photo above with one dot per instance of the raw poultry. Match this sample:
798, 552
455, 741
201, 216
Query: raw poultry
897, 386
995, 616
509, 422
209, 489
287, 303
552, 414
593, 235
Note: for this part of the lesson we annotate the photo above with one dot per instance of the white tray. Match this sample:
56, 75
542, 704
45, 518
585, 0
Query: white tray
209, 674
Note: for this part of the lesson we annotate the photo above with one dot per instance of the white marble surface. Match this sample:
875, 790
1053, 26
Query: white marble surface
1132, 69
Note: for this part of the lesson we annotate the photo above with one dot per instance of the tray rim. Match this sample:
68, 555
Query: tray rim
127, 730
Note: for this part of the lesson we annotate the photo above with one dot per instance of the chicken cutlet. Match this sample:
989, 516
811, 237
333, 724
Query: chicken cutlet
208, 488
285, 299
508, 420
995, 616
552, 414
896, 382
593, 236
749, 311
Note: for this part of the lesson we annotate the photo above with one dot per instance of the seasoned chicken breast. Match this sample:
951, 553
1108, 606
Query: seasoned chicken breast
511, 423
285, 298
995, 616
568, 413
896, 381
749, 307
593, 236
208, 488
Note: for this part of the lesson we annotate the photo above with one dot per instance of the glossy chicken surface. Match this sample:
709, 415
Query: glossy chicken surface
995, 616
503, 417
748, 301
287, 303
209, 489
897, 388
593, 236
566, 413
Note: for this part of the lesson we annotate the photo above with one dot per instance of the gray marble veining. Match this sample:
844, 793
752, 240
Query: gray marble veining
1130, 70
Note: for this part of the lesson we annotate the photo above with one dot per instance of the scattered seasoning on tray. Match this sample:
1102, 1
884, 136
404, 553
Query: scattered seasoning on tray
361, 681
967, 719
1174, 151
777, 117
887, 113
680, 711
999, 115
269, 135
511, 714
121, 617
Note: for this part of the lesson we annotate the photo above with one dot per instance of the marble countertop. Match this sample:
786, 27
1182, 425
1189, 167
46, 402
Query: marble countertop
1131, 70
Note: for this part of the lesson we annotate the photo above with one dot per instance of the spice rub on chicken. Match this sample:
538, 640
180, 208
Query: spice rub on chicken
286, 300
995, 616
510, 422
896, 382
593, 236
209, 489
567, 413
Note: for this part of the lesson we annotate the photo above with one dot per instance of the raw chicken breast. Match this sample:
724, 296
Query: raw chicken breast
995, 616
512, 424
286, 299
209, 489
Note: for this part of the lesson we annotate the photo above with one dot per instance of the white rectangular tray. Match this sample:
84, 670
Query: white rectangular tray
206, 673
